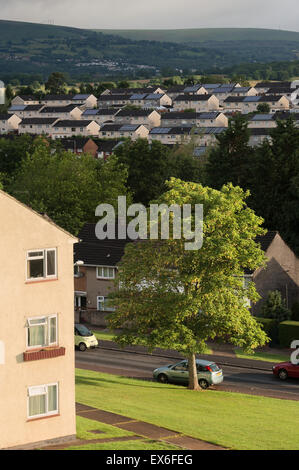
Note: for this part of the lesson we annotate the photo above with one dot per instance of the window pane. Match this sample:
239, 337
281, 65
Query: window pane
36, 335
34, 254
52, 398
37, 405
35, 268
53, 329
51, 271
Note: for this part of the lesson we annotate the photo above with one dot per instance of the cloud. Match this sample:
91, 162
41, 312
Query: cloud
140, 14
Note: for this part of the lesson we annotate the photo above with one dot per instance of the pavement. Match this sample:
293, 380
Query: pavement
141, 430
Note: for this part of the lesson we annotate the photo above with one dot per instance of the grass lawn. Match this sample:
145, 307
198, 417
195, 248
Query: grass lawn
262, 356
232, 420
85, 426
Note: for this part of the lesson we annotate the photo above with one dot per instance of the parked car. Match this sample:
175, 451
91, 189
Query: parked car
84, 338
285, 370
208, 373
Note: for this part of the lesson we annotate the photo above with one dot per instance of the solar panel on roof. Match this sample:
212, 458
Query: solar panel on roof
252, 99
137, 96
128, 127
20, 107
160, 130
90, 111
262, 117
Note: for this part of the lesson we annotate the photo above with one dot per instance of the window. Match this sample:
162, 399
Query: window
41, 331
104, 272
103, 303
42, 400
41, 264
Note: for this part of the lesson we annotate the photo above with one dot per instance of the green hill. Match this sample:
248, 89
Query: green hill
31, 48
205, 34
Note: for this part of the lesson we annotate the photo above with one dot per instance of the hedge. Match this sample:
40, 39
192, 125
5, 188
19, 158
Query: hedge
287, 332
270, 326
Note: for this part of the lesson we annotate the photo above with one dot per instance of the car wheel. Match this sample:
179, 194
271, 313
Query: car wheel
82, 347
162, 378
282, 374
203, 383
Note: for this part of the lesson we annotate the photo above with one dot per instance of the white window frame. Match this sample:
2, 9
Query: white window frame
33, 391
44, 258
44, 320
102, 276
107, 309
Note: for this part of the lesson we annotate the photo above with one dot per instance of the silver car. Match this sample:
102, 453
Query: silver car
208, 373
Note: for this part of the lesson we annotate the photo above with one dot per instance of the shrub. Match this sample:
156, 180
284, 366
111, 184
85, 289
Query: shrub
288, 331
270, 326
295, 311
275, 308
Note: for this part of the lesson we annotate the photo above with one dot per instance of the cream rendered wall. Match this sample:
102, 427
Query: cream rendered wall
22, 230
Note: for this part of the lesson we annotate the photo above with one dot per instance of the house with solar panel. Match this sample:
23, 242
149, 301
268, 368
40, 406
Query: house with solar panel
183, 134
131, 131
101, 115
131, 91
150, 100
113, 101
208, 119
147, 117
26, 111
265, 121
249, 104
85, 101
199, 103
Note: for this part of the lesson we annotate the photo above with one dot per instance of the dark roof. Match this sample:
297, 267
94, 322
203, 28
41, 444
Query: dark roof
5, 116
33, 107
266, 98
272, 84
97, 252
266, 240
38, 120
57, 97
72, 123
192, 98
134, 112
74, 143
58, 109
260, 130
114, 97
190, 115
234, 99
27, 97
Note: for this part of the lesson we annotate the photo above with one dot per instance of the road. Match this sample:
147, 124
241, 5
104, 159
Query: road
236, 378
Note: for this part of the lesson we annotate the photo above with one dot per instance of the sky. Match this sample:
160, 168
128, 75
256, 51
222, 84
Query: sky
156, 14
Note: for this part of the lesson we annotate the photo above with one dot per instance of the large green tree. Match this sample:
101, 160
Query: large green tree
229, 160
66, 187
56, 83
175, 298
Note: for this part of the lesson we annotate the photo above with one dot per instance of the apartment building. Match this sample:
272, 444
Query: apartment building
37, 405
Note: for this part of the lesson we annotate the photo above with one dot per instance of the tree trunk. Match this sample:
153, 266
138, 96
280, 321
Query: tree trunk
193, 379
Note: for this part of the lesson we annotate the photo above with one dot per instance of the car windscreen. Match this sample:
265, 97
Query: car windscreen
83, 331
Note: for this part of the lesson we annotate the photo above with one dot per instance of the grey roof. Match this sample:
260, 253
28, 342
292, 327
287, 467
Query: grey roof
154, 96
134, 112
251, 99
58, 109
17, 107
